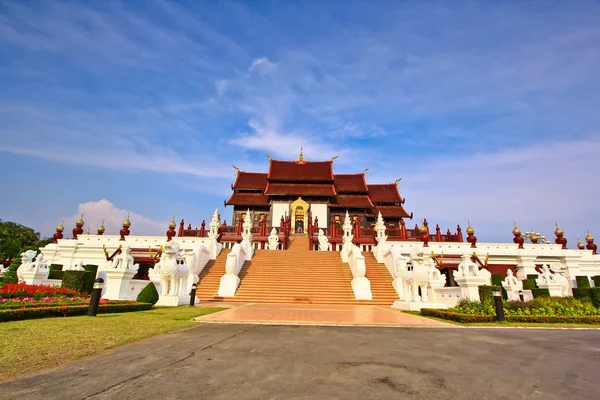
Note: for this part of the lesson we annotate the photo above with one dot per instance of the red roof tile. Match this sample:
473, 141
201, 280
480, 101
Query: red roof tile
250, 180
300, 171
300, 189
391, 212
351, 201
384, 193
248, 199
354, 183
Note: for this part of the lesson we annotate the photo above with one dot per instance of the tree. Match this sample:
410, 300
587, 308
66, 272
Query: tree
15, 238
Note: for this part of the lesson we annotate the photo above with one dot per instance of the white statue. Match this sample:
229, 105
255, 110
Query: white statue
324, 244
2, 270
380, 230
173, 276
559, 278
414, 276
512, 280
546, 276
40, 264
273, 240
466, 268
26, 263
124, 260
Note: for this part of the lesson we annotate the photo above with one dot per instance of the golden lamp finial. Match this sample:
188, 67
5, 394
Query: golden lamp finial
580, 245
469, 227
301, 157
61, 227
80, 220
127, 222
101, 227
558, 231
516, 230
172, 224
397, 181
589, 237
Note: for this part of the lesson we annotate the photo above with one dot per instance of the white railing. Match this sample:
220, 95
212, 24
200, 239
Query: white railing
240, 253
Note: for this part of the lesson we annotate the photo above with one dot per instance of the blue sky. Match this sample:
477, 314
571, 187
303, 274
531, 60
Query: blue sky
488, 110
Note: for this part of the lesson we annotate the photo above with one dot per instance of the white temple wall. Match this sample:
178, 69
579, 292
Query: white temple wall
321, 211
278, 210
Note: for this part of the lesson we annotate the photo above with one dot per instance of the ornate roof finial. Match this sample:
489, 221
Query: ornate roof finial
366, 169
589, 237
80, 220
127, 222
172, 224
397, 181
516, 231
558, 231
61, 228
236, 168
301, 157
101, 227
580, 245
469, 227
268, 156
334, 157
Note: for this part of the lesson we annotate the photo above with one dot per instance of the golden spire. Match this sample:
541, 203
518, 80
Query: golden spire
580, 245
236, 168
365, 170
101, 227
301, 157
516, 231
397, 181
80, 220
127, 222
61, 228
558, 231
334, 157
268, 156
534, 235
172, 224
469, 227
423, 228
589, 236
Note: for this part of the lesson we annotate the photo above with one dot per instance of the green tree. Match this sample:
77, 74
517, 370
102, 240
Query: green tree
14, 238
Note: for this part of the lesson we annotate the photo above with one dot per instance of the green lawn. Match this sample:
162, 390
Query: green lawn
31, 345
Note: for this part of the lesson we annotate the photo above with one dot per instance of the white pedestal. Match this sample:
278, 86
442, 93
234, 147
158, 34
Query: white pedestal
513, 292
416, 306
432, 287
228, 285
117, 284
35, 277
173, 301
555, 289
362, 289
469, 286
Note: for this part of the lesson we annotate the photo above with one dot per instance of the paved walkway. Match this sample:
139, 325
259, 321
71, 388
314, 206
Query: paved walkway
317, 314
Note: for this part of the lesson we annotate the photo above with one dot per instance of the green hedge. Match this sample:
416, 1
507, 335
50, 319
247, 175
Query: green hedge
472, 318
582, 293
149, 294
532, 276
486, 294
597, 280
529, 284
10, 276
540, 293
583, 282
56, 271
595, 296
93, 270
70, 310
76, 280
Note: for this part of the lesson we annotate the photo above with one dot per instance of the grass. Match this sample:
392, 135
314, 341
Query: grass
32, 345
509, 324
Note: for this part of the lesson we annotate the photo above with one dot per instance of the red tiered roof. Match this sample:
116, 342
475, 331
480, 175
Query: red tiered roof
351, 201
300, 189
384, 193
250, 181
352, 183
248, 199
300, 171
391, 212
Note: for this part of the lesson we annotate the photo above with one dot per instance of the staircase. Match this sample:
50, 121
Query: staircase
296, 275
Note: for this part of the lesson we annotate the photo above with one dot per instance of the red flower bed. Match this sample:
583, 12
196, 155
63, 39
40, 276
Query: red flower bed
21, 290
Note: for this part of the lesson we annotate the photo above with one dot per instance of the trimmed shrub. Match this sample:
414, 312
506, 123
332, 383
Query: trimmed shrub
76, 280
597, 280
529, 284
540, 293
533, 276
583, 281
474, 318
595, 296
70, 310
93, 270
56, 271
149, 294
10, 276
582, 293
486, 294
497, 279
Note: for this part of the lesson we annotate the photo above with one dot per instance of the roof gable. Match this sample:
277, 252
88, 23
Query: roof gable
300, 171
250, 181
350, 183
384, 193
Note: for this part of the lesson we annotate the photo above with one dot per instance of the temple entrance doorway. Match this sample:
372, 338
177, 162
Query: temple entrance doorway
299, 214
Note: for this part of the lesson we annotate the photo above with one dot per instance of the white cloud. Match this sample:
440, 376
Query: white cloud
95, 211
221, 86
263, 66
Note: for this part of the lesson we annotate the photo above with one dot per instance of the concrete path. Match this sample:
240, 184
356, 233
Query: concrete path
229, 361
319, 314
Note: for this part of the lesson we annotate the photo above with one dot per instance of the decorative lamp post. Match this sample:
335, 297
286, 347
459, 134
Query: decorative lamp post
590, 242
193, 294
95, 299
560, 238
518, 239
78, 230
521, 296
59, 231
171, 231
498, 303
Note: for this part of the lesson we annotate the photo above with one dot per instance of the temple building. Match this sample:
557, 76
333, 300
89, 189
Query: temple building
303, 188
